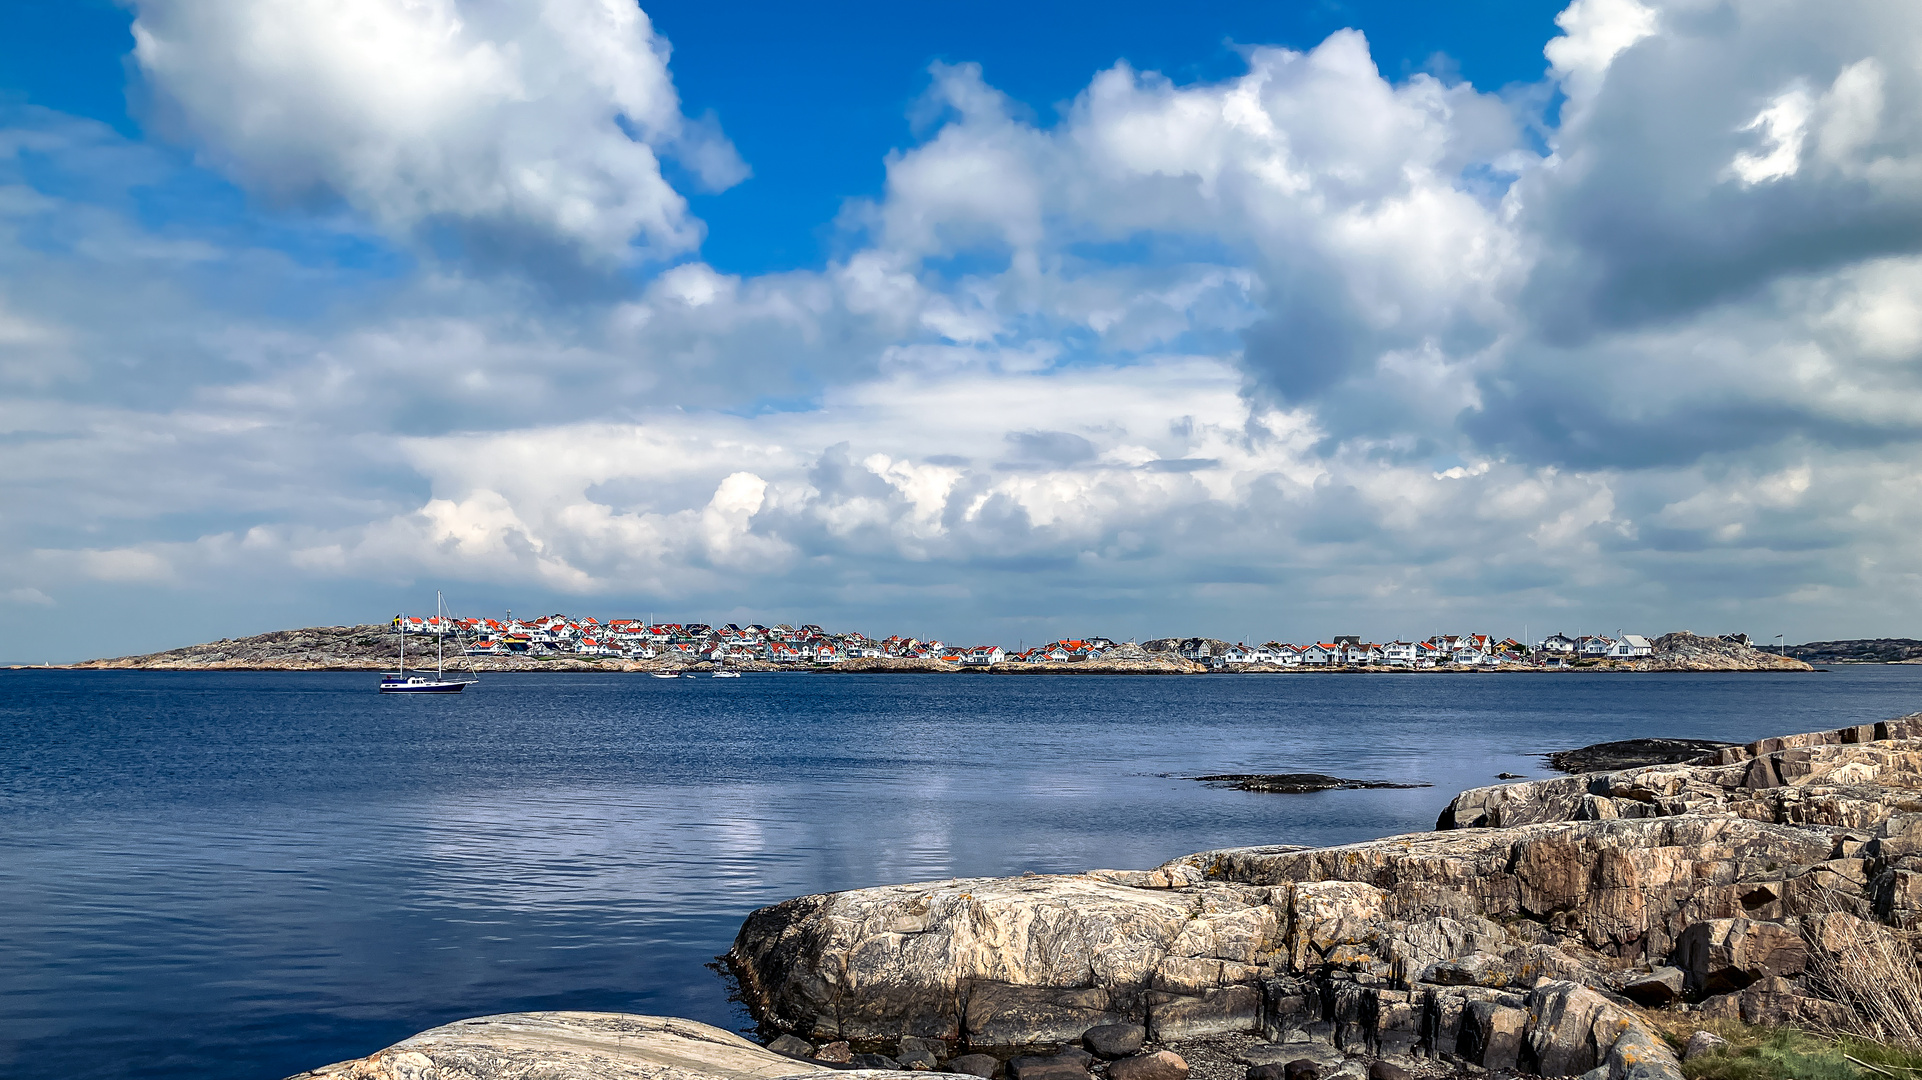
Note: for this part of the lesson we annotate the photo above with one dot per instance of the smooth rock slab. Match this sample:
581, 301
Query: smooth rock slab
576, 1046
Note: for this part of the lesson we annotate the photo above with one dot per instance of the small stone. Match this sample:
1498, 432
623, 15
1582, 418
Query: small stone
1387, 1070
837, 1052
1051, 1067
1508, 776
917, 1060
1660, 987
1114, 1040
1702, 1042
1160, 1065
1301, 1069
874, 1061
982, 1065
790, 1046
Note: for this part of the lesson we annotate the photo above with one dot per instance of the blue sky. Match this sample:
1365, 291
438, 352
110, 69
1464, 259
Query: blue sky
982, 321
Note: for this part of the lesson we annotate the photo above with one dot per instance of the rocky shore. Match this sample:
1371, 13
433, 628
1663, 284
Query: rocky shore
1530, 932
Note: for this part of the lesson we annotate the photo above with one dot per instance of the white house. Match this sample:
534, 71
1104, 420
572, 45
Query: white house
1322, 653
1398, 654
1630, 646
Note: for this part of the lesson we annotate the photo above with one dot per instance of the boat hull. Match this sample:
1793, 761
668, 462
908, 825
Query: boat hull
423, 688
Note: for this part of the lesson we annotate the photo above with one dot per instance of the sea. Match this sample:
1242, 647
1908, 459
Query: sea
244, 875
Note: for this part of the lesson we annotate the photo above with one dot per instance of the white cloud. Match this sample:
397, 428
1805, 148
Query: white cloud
1405, 364
510, 125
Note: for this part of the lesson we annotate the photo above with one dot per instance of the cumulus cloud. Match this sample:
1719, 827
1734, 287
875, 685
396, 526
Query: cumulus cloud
1300, 345
505, 128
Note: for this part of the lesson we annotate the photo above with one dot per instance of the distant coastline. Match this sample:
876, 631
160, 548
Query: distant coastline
375, 648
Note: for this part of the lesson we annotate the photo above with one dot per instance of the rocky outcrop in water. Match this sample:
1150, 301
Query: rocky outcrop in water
1631, 753
1525, 933
1296, 783
579, 1046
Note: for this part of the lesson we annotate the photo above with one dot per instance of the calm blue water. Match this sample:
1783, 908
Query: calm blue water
243, 875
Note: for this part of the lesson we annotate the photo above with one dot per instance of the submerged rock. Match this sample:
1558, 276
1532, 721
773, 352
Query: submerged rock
1296, 783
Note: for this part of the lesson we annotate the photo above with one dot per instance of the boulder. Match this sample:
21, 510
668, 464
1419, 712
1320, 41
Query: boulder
1702, 1042
1273, 1070
1301, 1069
837, 1052
1658, 988
1049, 1067
1721, 955
1159, 1065
1775, 1002
789, 1046
1388, 1070
874, 1061
573, 1046
909, 1046
1491, 1035
982, 1065
1114, 1040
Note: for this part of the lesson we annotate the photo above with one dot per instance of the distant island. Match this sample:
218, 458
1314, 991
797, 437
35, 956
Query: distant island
558, 643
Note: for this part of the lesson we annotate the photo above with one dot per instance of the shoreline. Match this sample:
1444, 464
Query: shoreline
568, 667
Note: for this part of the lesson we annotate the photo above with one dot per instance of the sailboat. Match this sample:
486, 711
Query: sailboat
399, 682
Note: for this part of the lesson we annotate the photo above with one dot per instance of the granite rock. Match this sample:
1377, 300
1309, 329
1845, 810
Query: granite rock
1505, 937
576, 1046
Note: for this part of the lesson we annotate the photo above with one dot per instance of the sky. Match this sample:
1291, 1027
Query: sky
991, 321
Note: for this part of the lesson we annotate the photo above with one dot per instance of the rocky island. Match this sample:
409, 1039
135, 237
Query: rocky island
370, 647
1563, 927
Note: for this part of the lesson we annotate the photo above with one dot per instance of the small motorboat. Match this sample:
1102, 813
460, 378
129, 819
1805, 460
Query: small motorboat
727, 675
667, 674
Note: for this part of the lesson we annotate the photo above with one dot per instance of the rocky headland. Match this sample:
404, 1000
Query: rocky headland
1534, 930
1554, 928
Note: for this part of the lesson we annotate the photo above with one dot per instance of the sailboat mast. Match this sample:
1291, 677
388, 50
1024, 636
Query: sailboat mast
440, 635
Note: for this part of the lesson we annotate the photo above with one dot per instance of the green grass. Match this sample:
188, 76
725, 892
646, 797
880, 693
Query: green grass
1758, 1053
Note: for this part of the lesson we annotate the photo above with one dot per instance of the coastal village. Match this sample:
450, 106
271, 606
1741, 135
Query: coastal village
810, 645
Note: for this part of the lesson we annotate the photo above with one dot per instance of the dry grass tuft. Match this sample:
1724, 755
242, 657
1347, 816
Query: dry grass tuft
1870, 969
